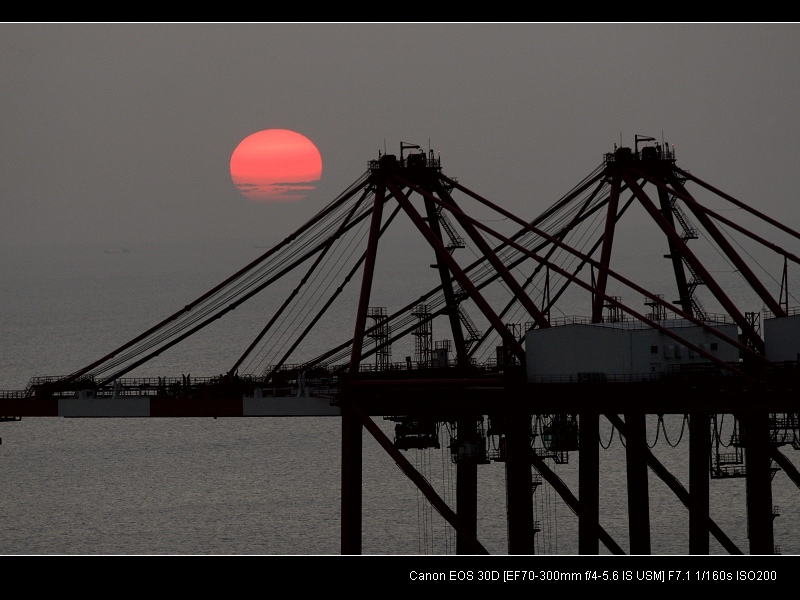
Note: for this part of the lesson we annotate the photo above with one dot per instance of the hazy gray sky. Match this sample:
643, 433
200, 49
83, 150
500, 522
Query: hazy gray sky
122, 133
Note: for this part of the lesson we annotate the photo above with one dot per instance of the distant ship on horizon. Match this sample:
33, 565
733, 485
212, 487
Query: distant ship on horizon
123, 251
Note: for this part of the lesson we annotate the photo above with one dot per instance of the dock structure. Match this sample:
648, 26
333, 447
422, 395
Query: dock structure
516, 367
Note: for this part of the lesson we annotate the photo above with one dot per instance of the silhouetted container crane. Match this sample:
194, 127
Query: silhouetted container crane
562, 372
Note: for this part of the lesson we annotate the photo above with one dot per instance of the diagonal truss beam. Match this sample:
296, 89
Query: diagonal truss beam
594, 178
739, 203
622, 279
724, 244
369, 271
608, 242
446, 201
458, 273
785, 464
680, 491
766, 243
666, 331
747, 328
414, 475
566, 494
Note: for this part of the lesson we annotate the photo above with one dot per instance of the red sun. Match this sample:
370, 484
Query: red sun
276, 165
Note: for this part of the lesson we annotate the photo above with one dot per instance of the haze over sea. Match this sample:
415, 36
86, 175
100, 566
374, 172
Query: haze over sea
247, 486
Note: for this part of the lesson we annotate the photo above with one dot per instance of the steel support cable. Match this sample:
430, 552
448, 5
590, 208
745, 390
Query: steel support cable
587, 210
327, 271
658, 432
527, 239
506, 276
583, 216
285, 335
654, 324
610, 439
680, 491
641, 290
228, 308
312, 238
224, 295
200, 313
510, 256
238, 288
560, 219
296, 290
343, 347
537, 269
558, 252
559, 228
522, 233
743, 249
747, 328
330, 301
553, 210
436, 301
582, 213
719, 431
307, 307
155, 337
400, 319
766, 243
566, 198
177, 326
684, 422
456, 270
202, 309
568, 259
554, 299
341, 199
504, 259
582, 238
564, 287
738, 203
720, 240
255, 279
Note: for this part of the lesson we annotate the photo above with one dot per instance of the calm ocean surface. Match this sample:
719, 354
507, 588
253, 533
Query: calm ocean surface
254, 486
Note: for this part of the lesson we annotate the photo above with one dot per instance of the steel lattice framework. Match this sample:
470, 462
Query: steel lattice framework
524, 277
